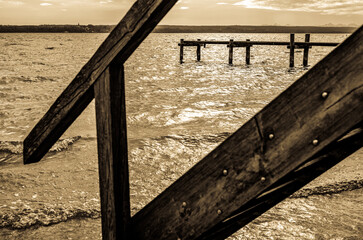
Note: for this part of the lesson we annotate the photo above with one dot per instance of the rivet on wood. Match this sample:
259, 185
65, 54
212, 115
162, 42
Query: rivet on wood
315, 142
263, 179
324, 95
184, 204
225, 172
219, 212
271, 136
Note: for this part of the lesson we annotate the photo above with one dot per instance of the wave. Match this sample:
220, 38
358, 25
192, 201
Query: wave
15, 79
46, 215
328, 189
10, 148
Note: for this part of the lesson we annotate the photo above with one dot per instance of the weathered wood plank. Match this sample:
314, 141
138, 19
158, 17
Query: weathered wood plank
323, 161
112, 153
312, 113
138, 22
306, 51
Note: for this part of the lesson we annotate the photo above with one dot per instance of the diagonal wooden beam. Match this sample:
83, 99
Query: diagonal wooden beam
315, 111
323, 161
136, 25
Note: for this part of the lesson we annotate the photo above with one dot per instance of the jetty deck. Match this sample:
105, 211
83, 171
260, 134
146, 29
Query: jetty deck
292, 45
296, 137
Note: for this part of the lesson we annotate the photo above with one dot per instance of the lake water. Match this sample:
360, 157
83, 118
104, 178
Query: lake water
176, 114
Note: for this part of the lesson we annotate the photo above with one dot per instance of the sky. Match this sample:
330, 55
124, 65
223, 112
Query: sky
188, 12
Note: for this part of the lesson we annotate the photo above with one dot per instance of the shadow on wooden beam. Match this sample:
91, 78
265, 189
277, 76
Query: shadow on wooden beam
292, 182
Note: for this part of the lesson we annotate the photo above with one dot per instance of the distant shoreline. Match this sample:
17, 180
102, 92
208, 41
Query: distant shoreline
175, 29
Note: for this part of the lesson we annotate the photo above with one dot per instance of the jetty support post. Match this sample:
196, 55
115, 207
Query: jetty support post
181, 50
248, 52
230, 56
198, 50
306, 50
292, 49
109, 93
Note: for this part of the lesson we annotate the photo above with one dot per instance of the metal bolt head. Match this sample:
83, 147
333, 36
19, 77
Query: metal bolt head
184, 204
324, 95
315, 142
263, 179
225, 172
219, 212
271, 136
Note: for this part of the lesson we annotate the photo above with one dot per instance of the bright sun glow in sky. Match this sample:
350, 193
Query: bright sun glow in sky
188, 12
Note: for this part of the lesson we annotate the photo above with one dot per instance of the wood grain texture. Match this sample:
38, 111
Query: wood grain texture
112, 153
138, 22
252, 158
320, 163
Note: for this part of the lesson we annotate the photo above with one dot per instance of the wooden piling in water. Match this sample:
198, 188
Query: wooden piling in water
112, 153
181, 50
198, 51
306, 50
292, 49
230, 57
248, 53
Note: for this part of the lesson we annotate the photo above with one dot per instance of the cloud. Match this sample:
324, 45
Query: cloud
336, 7
46, 4
184, 8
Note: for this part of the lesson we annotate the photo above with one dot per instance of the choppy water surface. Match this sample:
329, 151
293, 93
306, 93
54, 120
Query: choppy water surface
176, 115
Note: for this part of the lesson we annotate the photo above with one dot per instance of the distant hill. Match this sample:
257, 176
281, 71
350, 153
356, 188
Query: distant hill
176, 29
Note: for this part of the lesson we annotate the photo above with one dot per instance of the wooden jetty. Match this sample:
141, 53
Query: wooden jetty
296, 137
292, 45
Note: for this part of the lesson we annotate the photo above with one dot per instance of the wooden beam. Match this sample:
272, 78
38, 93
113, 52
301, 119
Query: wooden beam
311, 114
112, 153
292, 49
306, 51
181, 50
248, 53
323, 161
138, 22
230, 55
198, 51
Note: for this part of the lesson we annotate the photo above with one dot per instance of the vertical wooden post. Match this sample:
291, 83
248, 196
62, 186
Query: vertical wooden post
198, 51
230, 57
306, 50
181, 50
109, 92
248, 53
292, 49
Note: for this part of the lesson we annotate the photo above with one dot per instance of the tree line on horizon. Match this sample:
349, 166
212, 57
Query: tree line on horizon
175, 29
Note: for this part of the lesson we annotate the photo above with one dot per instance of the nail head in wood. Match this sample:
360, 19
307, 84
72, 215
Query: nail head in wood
219, 212
315, 142
184, 204
324, 95
263, 179
271, 136
225, 172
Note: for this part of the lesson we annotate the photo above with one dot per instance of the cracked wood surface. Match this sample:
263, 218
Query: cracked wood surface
136, 25
275, 142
